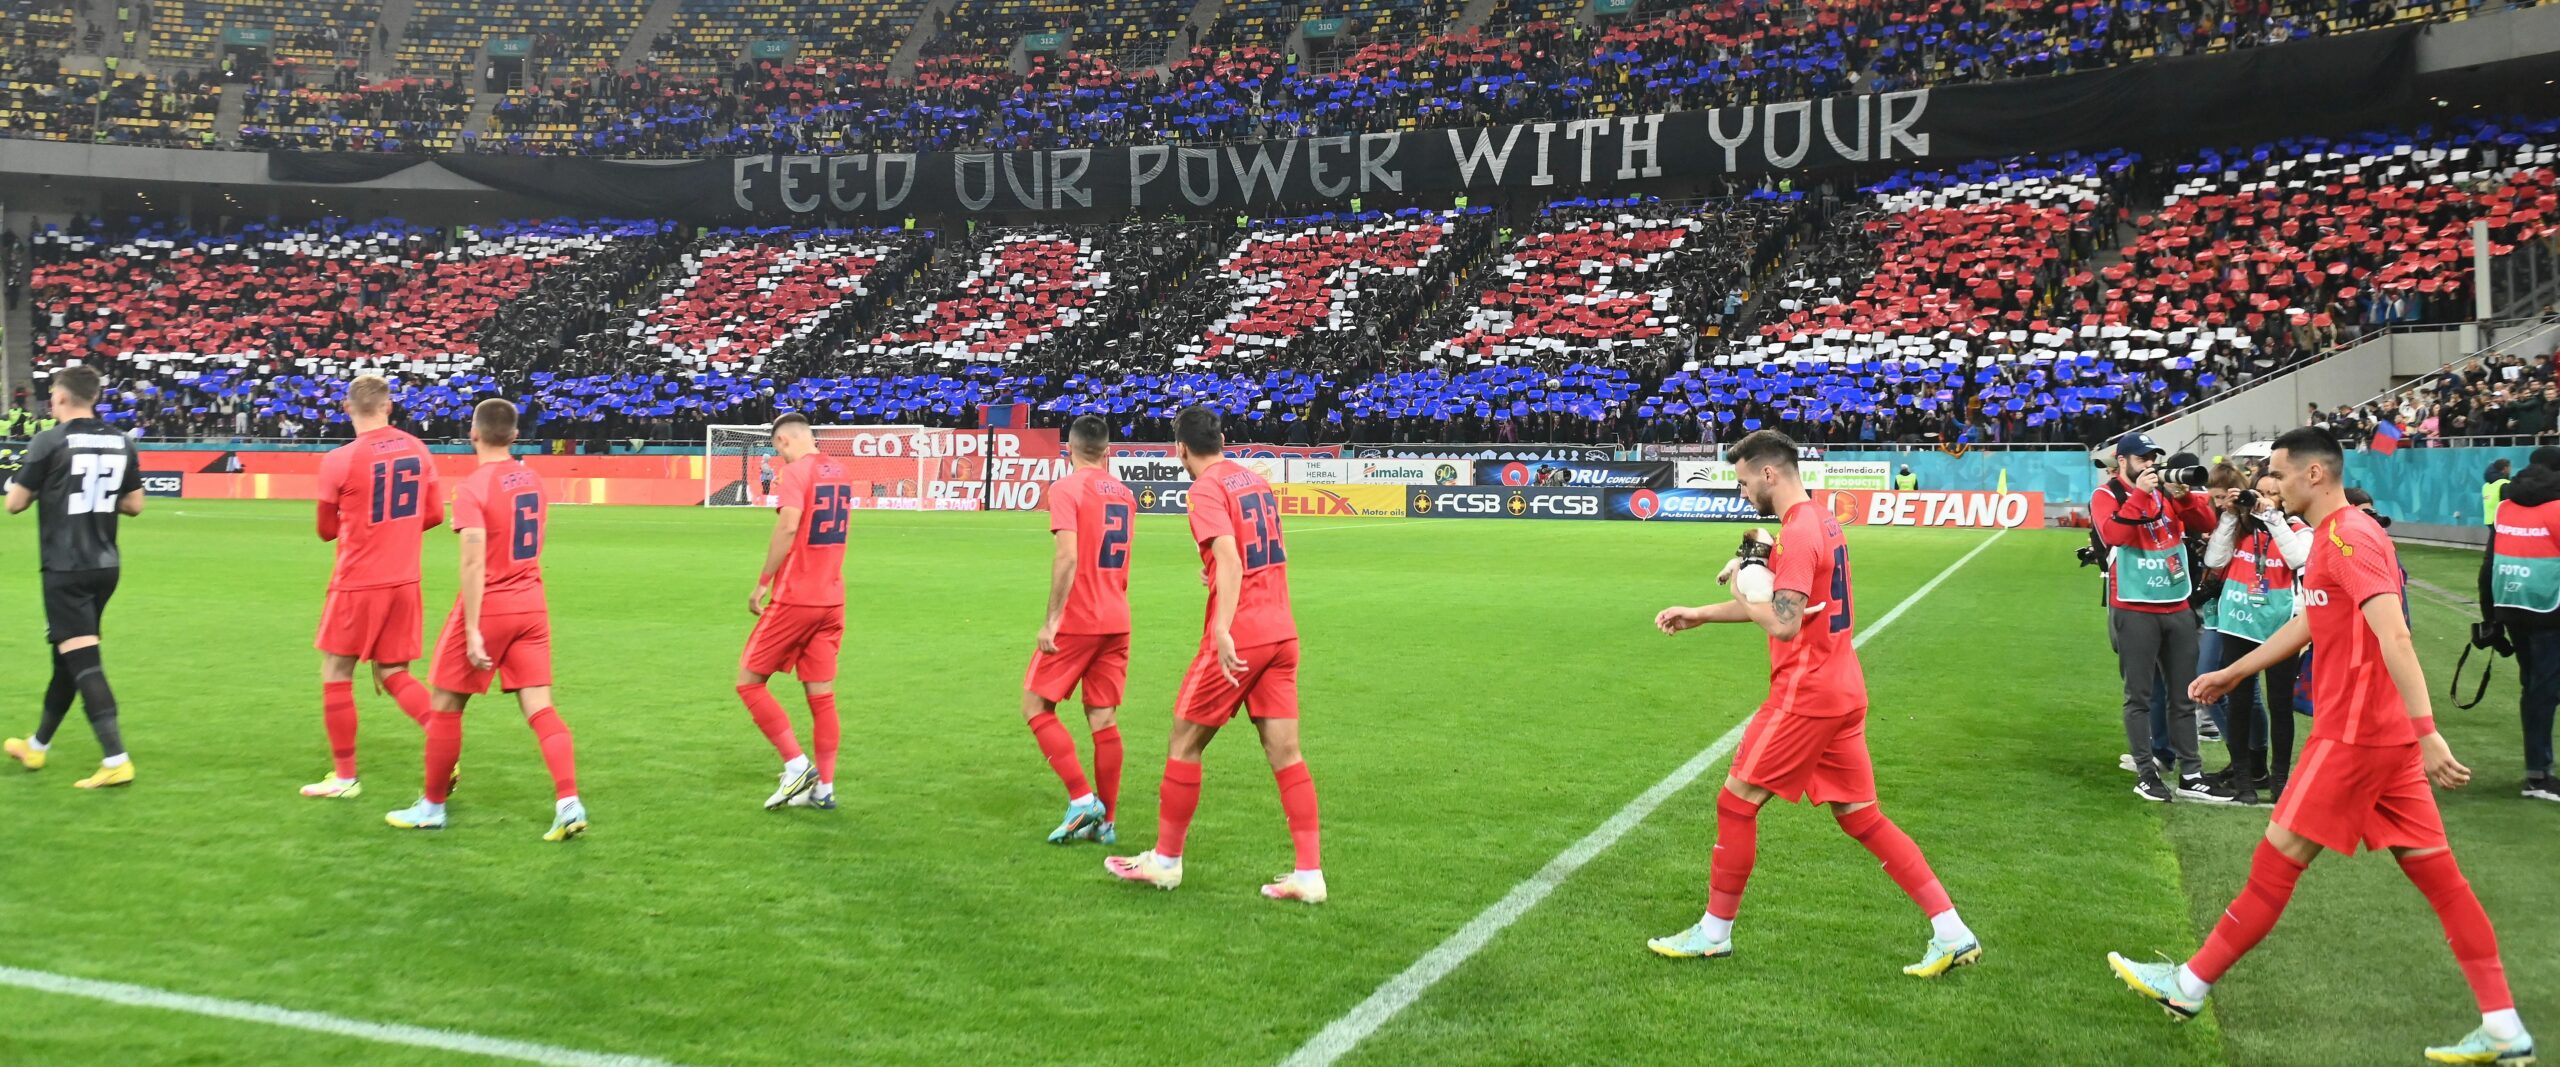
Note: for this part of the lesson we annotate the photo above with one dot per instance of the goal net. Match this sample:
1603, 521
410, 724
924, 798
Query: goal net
895, 468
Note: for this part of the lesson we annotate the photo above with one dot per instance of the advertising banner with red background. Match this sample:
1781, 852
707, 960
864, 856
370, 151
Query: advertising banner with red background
1963, 509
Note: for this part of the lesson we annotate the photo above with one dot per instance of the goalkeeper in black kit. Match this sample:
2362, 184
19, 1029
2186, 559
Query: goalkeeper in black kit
80, 476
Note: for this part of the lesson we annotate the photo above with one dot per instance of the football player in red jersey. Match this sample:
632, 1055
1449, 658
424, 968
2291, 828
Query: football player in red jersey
1248, 659
2364, 774
800, 629
1084, 639
500, 625
378, 498
1808, 741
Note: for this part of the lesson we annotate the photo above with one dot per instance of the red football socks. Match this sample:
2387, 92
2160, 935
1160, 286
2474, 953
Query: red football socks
444, 748
2272, 875
1902, 859
338, 713
2466, 926
1737, 848
1180, 800
1106, 770
824, 731
411, 696
1061, 751
770, 719
558, 753
1298, 802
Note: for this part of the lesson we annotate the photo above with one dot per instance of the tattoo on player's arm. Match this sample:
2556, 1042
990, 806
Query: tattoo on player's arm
1788, 606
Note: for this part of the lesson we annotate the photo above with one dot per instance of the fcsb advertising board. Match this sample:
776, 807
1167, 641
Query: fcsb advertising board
1959, 509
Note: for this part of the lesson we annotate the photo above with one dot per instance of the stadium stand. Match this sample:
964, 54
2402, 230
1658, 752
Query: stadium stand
1323, 292
1045, 296
256, 317
1234, 82
1993, 301
446, 35
348, 113
310, 33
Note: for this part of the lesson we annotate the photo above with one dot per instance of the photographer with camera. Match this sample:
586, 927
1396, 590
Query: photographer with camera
2258, 550
2520, 604
2143, 514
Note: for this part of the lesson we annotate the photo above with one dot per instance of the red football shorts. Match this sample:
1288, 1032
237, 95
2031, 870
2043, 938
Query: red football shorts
1820, 758
1270, 689
519, 644
1098, 663
381, 625
796, 638
2341, 794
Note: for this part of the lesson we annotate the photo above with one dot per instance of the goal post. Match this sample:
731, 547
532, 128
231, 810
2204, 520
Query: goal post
894, 467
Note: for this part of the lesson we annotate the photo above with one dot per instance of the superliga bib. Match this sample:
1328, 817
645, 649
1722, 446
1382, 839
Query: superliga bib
2525, 559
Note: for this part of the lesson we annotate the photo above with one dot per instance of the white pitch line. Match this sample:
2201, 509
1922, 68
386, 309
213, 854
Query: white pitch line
318, 1022
1398, 993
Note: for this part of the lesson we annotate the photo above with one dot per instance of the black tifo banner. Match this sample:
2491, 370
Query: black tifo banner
2186, 100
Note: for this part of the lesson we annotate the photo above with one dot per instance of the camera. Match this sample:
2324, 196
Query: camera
2091, 555
2247, 501
2191, 477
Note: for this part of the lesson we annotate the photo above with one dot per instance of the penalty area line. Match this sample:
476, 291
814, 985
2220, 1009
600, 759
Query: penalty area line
1338, 1038
318, 1022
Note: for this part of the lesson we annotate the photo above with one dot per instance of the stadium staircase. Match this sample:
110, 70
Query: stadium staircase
659, 18
484, 106
902, 63
228, 114
1204, 14
392, 28
17, 358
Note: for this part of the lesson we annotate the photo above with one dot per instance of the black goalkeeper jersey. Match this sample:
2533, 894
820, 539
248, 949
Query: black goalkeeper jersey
78, 472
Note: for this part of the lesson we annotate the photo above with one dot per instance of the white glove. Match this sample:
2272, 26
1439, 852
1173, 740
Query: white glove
1755, 585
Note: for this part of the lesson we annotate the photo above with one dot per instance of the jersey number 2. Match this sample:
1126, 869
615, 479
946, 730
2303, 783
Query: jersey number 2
1115, 538
99, 474
395, 488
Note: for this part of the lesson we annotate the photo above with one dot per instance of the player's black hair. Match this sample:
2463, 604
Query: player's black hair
1763, 446
1199, 430
494, 421
2357, 497
789, 418
80, 382
1089, 434
2313, 445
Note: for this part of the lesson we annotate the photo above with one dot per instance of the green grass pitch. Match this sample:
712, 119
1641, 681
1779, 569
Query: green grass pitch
1479, 695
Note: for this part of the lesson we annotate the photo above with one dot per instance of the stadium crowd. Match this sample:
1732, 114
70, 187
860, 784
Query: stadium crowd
1235, 81
1976, 303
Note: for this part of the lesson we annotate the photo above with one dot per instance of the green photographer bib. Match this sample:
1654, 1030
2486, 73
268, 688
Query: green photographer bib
2253, 613
2152, 575
2526, 582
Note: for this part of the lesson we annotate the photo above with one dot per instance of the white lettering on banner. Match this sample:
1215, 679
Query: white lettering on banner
943, 444
1977, 510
